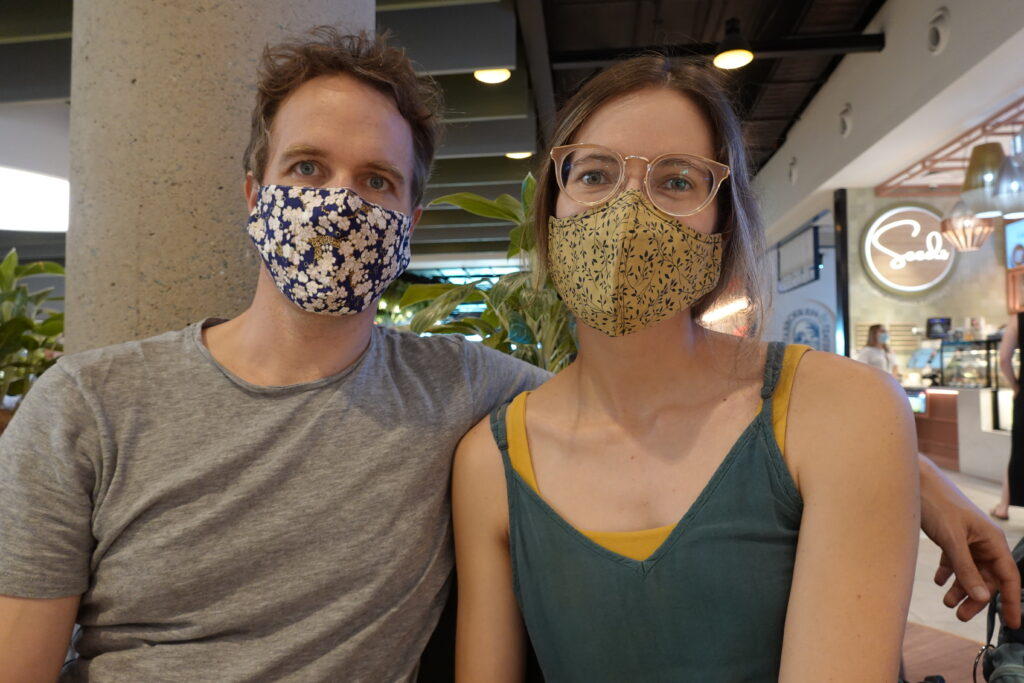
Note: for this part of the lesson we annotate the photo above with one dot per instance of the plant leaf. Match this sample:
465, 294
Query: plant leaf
8, 267
512, 205
417, 293
527, 191
441, 307
39, 268
519, 330
477, 205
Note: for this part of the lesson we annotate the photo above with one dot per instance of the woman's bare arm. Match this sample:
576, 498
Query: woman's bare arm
489, 638
852, 446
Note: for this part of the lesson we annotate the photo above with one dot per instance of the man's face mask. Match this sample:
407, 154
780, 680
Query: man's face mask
625, 265
328, 249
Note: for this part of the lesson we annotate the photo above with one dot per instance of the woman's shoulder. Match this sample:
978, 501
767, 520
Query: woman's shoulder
853, 407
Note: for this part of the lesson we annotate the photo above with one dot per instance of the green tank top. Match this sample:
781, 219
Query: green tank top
708, 605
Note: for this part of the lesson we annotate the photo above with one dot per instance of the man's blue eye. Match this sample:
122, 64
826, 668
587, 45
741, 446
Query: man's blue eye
378, 183
306, 168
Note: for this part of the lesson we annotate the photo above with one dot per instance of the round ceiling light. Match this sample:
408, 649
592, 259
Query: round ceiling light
519, 155
492, 76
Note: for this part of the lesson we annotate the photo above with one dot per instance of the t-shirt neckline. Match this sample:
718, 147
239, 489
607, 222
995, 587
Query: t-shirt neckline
196, 337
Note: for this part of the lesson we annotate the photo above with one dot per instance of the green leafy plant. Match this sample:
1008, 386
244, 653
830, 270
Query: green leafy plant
30, 335
521, 317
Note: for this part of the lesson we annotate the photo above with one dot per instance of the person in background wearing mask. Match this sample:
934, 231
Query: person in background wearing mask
877, 352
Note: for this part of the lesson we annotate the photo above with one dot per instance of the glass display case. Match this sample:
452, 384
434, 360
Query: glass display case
969, 364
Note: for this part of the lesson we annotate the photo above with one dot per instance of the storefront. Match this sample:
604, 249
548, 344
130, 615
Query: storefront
944, 310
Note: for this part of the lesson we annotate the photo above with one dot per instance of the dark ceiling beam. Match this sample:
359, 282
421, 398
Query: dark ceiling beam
468, 248
35, 20
480, 171
460, 234
455, 39
36, 70
489, 138
448, 219
467, 99
826, 44
488, 191
535, 42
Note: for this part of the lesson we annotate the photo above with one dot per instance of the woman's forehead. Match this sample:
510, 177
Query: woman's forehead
649, 122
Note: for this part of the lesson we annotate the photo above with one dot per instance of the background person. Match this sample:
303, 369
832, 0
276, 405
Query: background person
877, 353
1013, 481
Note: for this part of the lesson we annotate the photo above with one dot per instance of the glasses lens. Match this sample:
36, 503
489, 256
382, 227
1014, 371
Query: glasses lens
589, 174
680, 184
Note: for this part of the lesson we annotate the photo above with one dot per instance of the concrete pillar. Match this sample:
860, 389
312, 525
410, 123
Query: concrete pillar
161, 95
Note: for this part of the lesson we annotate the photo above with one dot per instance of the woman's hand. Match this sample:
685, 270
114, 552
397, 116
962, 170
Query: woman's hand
973, 548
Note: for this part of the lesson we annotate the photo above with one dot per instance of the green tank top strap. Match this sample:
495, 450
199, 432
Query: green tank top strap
772, 369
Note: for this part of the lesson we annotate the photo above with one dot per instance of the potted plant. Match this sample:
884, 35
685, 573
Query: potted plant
30, 335
522, 317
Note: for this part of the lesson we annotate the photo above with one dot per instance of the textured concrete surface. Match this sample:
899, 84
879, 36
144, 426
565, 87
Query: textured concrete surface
161, 96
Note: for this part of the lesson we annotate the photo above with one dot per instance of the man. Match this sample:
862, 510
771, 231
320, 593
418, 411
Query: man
266, 498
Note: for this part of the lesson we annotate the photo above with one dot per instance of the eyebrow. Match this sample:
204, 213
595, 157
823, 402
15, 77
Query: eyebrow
597, 157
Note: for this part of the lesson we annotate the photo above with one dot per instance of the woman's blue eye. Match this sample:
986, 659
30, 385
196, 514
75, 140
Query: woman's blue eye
678, 183
378, 182
305, 168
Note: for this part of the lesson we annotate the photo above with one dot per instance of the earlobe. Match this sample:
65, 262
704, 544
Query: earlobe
417, 214
251, 190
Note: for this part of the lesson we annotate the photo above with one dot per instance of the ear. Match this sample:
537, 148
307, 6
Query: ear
252, 189
417, 214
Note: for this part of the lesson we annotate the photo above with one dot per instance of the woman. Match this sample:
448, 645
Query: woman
679, 504
877, 352
1013, 479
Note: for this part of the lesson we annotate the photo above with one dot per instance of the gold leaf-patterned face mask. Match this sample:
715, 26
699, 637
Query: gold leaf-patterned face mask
625, 265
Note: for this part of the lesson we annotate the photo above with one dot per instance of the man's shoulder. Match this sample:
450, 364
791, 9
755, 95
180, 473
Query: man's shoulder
454, 348
126, 356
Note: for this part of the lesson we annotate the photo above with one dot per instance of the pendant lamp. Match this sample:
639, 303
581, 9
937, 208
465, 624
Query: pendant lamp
733, 51
978, 192
964, 230
1009, 189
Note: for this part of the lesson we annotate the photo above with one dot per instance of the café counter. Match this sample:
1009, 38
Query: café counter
956, 429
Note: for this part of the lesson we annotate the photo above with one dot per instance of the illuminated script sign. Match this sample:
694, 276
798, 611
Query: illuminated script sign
904, 251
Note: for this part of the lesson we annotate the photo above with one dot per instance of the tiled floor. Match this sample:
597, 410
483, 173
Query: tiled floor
926, 604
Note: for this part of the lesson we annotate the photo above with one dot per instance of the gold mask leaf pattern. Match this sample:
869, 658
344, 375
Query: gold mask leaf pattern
625, 265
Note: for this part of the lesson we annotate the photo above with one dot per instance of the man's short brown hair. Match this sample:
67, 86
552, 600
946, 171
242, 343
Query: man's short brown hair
325, 52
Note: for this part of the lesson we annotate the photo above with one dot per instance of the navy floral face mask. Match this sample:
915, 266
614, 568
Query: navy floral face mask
328, 249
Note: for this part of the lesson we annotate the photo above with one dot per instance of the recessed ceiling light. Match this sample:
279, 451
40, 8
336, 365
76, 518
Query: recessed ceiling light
492, 76
519, 155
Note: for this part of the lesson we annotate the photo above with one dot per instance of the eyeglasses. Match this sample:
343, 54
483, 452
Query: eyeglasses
678, 184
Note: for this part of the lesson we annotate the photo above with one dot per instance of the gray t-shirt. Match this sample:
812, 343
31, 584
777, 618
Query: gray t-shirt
222, 531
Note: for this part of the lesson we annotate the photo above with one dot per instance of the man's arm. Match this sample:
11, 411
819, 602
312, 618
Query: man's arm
973, 548
34, 637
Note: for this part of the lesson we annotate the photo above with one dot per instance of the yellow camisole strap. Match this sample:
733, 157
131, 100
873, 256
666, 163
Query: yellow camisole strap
783, 390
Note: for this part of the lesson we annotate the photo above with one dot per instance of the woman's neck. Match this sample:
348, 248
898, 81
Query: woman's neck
639, 373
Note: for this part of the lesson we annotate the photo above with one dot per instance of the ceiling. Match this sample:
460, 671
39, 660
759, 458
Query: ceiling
551, 46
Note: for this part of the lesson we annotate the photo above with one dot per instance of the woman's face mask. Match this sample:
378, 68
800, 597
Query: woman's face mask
625, 265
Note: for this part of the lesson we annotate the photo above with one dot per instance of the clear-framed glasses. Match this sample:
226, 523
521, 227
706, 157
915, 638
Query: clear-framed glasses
678, 184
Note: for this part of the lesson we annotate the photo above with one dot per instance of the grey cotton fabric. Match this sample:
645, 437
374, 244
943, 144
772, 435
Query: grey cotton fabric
222, 531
